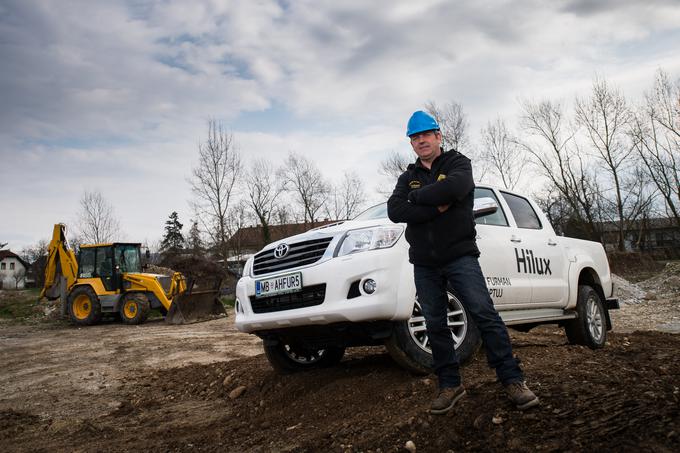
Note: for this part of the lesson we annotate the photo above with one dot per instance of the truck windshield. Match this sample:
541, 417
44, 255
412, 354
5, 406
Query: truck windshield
128, 259
378, 211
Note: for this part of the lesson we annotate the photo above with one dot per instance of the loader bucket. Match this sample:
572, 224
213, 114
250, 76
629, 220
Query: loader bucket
195, 307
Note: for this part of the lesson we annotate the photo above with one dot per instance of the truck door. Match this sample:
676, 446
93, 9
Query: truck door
506, 285
538, 254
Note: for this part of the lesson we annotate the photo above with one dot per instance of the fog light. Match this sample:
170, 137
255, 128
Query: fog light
369, 286
237, 305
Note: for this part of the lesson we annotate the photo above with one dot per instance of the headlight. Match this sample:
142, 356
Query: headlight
370, 239
248, 267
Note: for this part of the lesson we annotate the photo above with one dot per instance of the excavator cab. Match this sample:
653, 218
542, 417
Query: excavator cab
109, 262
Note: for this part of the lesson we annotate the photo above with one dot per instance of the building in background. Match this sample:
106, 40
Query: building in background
13, 270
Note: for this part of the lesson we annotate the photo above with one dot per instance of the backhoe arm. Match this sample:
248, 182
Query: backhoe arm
61, 262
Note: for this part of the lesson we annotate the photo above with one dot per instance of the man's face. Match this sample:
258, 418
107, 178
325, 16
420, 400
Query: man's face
427, 144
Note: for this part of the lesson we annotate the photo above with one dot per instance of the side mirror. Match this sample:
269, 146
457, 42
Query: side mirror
484, 206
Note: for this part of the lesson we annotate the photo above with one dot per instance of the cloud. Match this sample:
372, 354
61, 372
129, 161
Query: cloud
117, 95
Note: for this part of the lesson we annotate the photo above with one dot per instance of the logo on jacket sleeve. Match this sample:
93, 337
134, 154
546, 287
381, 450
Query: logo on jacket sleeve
414, 184
441, 178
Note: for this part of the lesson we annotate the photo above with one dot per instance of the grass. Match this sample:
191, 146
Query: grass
18, 304
228, 301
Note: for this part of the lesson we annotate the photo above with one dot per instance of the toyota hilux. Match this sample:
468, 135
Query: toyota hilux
312, 295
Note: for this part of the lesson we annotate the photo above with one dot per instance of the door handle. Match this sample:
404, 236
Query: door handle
514, 238
551, 242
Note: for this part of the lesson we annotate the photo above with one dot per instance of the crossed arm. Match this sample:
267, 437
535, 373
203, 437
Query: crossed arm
424, 204
455, 187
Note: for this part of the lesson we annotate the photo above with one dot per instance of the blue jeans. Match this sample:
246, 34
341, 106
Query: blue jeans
465, 277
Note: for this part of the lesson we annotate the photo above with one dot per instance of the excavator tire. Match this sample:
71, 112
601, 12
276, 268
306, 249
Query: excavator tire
83, 306
134, 308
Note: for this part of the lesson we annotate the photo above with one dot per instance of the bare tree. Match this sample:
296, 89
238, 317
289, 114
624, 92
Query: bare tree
346, 198
304, 181
558, 210
238, 218
560, 159
213, 181
391, 167
96, 222
394, 164
36, 257
655, 134
19, 275
503, 153
263, 192
605, 117
283, 215
453, 124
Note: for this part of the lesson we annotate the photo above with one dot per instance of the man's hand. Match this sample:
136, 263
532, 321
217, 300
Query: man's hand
443, 208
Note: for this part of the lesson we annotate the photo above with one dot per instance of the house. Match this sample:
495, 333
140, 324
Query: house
658, 236
250, 240
13, 270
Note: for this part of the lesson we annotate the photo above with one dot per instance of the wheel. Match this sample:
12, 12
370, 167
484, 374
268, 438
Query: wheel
292, 357
409, 344
84, 307
589, 326
134, 308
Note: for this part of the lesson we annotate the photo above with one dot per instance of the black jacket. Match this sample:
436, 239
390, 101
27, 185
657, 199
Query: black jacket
436, 238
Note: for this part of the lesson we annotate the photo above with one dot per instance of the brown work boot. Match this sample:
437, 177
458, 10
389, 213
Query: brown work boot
520, 395
446, 399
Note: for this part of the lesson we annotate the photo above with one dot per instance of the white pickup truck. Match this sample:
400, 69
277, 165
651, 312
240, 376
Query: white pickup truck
312, 295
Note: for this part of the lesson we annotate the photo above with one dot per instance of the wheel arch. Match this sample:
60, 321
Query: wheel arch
588, 276
582, 272
82, 285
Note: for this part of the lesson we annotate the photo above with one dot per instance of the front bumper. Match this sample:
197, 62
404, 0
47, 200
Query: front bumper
392, 299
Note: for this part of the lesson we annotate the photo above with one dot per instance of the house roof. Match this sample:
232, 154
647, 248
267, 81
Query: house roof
656, 223
9, 254
251, 237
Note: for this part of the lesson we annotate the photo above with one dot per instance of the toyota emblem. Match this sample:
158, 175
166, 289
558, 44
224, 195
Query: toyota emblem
281, 250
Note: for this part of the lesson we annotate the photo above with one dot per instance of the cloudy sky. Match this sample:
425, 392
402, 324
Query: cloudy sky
115, 96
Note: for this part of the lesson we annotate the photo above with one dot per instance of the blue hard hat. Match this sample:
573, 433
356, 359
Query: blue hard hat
420, 122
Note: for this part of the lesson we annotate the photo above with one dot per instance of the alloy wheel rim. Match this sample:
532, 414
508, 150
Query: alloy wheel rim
594, 319
306, 357
456, 320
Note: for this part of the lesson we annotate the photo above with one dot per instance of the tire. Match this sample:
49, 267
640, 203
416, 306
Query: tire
288, 358
409, 346
134, 308
589, 328
84, 308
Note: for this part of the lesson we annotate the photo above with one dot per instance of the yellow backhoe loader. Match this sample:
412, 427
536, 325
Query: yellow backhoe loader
108, 278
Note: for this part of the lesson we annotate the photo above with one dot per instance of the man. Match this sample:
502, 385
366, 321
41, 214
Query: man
435, 197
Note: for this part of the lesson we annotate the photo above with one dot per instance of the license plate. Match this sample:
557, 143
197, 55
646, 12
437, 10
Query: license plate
289, 283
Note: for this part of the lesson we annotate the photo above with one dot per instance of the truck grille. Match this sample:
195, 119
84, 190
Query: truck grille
299, 254
308, 297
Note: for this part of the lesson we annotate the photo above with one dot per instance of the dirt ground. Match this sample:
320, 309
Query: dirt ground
207, 387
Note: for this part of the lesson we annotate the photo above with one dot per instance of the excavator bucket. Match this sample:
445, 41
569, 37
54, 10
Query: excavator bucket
195, 306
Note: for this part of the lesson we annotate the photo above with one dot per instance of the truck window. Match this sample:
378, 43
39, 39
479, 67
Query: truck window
521, 209
86, 265
498, 217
